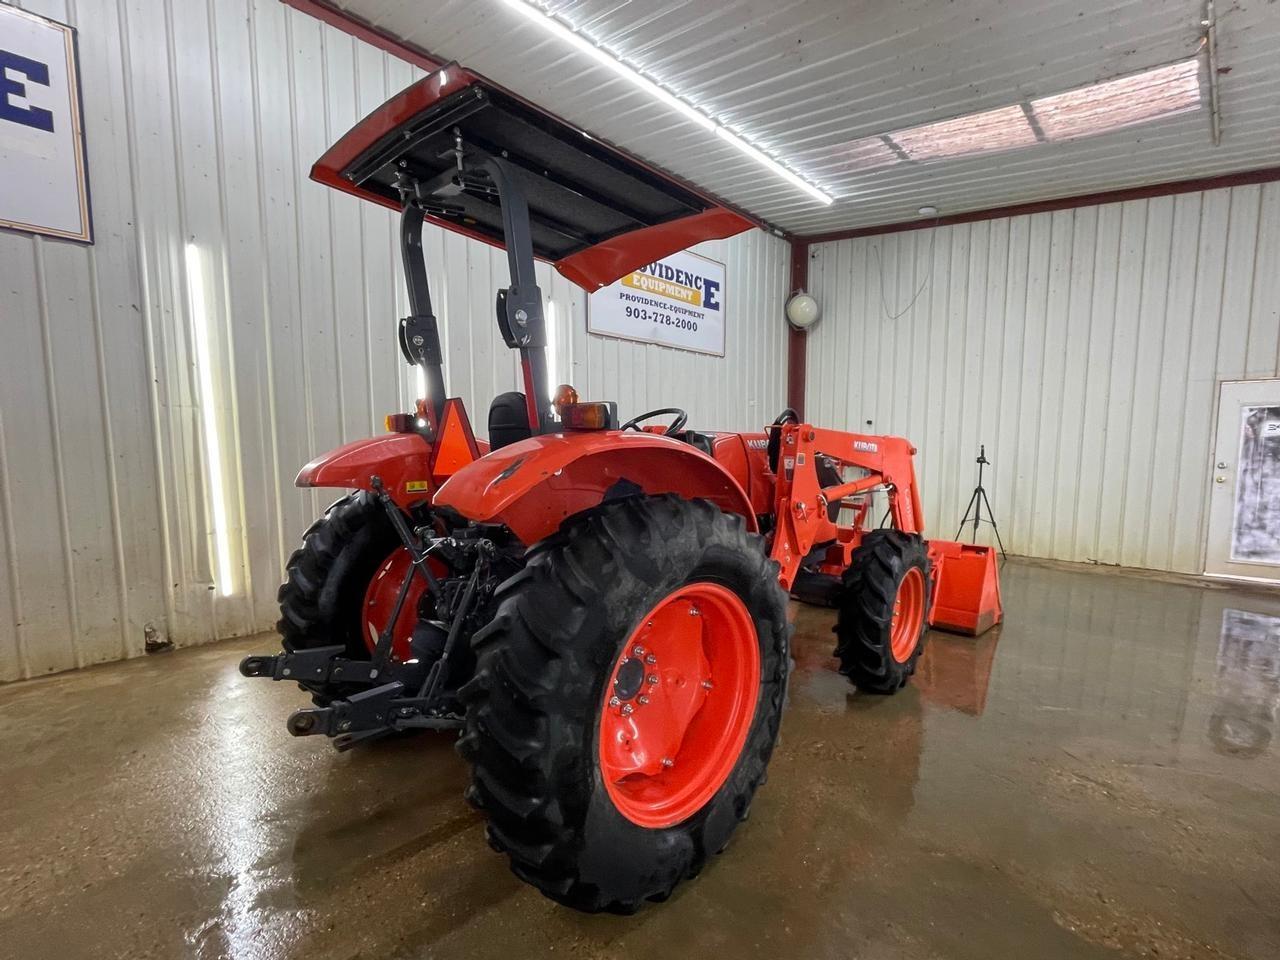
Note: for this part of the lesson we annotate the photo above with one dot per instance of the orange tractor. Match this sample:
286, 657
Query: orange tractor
599, 607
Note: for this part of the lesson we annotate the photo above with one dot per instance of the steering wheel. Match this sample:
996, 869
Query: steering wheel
676, 425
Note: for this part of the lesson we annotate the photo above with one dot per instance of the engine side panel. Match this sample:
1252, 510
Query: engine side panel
744, 456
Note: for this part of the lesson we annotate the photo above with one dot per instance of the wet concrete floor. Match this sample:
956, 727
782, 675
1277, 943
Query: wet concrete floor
1097, 779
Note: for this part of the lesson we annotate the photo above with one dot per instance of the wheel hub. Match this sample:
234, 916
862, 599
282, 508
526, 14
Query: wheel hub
630, 678
380, 603
908, 615
681, 698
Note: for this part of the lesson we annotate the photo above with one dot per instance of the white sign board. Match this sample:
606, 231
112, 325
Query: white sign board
44, 184
678, 301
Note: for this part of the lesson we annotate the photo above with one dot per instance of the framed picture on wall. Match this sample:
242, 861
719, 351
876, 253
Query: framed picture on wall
44, 176
678, 301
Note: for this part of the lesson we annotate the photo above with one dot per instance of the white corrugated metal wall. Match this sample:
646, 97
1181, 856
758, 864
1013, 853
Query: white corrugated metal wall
202, 118
1083, 347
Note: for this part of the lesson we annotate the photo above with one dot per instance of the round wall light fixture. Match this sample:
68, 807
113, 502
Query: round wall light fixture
802, 310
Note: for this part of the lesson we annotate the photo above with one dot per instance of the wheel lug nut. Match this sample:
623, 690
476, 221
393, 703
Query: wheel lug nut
652, 678
627, 709
614, 701
638, 651
642, 699
694, 611
651, 659
707, 684
668, 762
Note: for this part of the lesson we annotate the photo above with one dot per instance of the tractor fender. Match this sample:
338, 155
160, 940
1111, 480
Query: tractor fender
533, 485
401, 460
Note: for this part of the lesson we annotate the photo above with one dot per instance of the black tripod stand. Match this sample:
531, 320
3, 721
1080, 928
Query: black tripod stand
976, 503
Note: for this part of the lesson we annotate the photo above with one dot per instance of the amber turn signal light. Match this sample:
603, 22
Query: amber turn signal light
399, 423
565, 396
585, 416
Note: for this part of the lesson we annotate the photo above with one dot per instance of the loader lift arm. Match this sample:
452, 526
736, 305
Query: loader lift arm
801, 501
965, 595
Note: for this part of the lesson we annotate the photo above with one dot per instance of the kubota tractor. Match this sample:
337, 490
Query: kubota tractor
599, 608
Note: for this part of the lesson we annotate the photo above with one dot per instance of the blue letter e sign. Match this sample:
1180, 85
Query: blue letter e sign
36, 72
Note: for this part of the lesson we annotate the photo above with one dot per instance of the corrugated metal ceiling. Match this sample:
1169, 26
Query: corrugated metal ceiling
801, 77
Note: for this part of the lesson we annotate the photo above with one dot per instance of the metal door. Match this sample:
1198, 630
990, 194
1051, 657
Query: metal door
1244, 502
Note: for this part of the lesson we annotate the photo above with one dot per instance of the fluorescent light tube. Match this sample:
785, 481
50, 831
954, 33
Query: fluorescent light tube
569, 34
198, 291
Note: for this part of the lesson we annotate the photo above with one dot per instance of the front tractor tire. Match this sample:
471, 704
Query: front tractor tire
883, 611
626, 700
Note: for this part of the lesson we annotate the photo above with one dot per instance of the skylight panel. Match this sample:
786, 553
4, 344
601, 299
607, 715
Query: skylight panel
852, 157
1004, 128
1113, 104
1153, 94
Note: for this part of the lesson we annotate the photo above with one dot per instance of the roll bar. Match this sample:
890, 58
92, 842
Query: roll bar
471, 157
519, 306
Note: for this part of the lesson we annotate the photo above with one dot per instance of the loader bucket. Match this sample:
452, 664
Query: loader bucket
966, 587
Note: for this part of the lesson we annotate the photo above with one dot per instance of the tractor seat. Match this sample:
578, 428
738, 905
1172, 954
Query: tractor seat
829, 476
508, 420
700, 440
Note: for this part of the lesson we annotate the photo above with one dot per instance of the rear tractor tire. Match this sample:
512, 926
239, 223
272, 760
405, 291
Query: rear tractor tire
883, 609
626, 701
342, 580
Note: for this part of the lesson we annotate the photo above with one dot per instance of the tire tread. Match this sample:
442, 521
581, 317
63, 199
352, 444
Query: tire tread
540, 670
865, 604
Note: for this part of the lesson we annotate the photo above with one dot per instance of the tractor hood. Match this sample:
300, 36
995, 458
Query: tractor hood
596, 213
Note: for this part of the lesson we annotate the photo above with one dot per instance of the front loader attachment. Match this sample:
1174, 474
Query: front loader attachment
966, 587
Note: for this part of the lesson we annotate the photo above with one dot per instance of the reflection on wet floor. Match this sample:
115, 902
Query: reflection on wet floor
1247, 690
1096, 778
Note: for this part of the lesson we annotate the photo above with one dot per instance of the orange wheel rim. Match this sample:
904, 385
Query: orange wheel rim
908, 615
678, 705
380, 603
